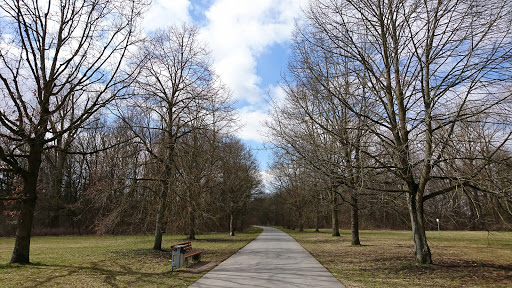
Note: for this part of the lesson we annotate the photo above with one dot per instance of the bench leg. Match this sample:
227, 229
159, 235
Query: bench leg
194, 259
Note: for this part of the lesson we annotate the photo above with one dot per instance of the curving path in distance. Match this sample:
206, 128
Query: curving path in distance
273, 259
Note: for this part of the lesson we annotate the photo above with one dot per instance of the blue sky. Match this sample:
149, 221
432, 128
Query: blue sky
249, 41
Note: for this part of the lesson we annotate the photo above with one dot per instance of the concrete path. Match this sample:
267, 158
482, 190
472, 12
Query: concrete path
274, 259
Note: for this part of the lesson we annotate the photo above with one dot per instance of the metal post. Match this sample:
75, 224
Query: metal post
438, 229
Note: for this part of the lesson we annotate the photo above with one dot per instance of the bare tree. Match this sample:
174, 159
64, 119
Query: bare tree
240, 179
312, 124
55, 54
197, 161
113, 200
175, 93
428, 67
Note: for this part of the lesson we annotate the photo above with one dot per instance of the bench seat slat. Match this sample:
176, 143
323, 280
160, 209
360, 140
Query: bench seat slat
192, 254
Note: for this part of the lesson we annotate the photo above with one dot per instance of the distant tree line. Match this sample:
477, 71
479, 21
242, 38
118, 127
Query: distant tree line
105, 130
396, 113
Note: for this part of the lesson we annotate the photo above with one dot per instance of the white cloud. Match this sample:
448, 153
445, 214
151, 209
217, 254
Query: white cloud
253, 117
239, 31
277, 94
252, 121
165, 13
267, 178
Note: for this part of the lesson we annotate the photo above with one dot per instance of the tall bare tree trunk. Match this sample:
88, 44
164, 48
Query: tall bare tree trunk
243, 220
192, 223
160, 219
355, 219
58, 179
317, 222
301, 219
21, 252
334, 214
421, 248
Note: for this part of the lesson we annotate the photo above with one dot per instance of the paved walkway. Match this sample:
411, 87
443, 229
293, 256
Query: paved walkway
274, 259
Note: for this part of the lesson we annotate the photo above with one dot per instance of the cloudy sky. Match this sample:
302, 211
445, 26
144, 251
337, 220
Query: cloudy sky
249, 41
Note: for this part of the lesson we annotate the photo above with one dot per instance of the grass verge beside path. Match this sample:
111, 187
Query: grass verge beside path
386, 259
111, 261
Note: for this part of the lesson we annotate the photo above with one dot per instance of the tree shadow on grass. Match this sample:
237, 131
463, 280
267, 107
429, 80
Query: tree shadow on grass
464, 270
10, 266
124, 268
157, 254
220, 240
110, 273
471, 265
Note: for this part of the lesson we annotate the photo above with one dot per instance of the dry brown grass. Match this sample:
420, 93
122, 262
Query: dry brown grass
386, 259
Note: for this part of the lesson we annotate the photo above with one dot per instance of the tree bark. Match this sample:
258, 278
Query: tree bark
421, 248
21, 252
157, 245
355, 220
301, 220
243, 220
334, 214
58, 179
317, 222
192, 223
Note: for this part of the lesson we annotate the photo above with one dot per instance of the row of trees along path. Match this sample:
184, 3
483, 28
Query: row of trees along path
396, 98
80, 79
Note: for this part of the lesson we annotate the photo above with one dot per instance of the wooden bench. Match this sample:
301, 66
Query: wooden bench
195, 255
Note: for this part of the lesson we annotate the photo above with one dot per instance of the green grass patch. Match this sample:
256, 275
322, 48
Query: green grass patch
386, 258
111, 261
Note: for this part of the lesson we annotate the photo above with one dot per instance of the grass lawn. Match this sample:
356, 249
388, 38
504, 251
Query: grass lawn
386, 259
111, 261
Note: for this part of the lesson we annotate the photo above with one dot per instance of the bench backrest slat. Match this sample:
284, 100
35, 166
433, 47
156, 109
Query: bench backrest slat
188, 245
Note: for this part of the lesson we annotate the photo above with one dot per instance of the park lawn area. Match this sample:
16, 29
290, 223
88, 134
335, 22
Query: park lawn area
386, 258
111, 261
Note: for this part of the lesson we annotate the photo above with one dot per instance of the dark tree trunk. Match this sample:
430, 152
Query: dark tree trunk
334, 217
301, 220
192, 223
157, 245
58, 180
421, 248
242, 222
191, 234
317, 222
355, 220
21, 252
